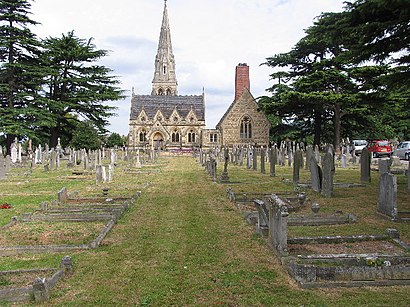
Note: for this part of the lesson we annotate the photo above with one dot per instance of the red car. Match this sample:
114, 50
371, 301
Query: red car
380, 148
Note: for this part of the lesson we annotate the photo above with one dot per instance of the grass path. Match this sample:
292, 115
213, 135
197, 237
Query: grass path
184, 244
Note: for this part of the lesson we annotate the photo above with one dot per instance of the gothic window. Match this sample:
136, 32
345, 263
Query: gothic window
160, 92
175, 137
143, 136
246, 128
169, 92
191, 137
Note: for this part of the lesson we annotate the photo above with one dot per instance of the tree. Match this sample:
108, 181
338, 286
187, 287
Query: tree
329, 79
75, 84
20, 74
115, 139
86, 136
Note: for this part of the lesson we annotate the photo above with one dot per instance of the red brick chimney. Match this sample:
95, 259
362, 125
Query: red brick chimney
241, 79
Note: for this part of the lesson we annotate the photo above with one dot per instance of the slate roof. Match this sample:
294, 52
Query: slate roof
152, 103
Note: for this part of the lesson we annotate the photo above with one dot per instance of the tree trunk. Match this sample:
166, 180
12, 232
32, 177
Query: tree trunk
9, 141
337, 118
317, 127
54, 136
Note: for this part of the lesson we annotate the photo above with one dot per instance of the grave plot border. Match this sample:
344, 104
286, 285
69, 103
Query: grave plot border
39, 291
56, 248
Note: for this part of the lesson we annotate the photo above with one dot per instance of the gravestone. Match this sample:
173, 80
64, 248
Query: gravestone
19, 152
263, 160
387, 200
52, 159
138, 163
2, 170
344, 160
327, 173
249, 158
296, 167
98, 174
273, 160
384, 166
315, 174
255, 159
224, 176
365, 165
8, 163
110, 172
103, 174
13, 151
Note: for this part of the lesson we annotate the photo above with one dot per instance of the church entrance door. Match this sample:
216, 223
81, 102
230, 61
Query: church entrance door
158, 140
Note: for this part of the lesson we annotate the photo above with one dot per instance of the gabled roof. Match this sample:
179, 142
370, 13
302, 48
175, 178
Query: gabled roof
232, 105
167, 104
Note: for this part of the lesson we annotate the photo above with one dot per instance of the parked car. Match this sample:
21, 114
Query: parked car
357, 146
403, 150
380, 148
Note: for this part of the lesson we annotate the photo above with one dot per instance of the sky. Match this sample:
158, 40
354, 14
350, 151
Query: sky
209, 38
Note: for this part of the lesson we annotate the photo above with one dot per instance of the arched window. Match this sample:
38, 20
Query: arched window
160, 92
246, 128
175, 137
165, 69
169, 92
143, 136
191, 137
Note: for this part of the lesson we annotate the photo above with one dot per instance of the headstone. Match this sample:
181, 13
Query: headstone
52, 159
344, 160
103, 174
138, 163
62, 195
19, 151
327, 169
384, 165
98, 174
365, 165
13, 151
387, 200
40, 290
273, 160
255, 159
296, 168
249, 158
2, 170
110, 172
8, 163
263, 160
315, 174
224, 176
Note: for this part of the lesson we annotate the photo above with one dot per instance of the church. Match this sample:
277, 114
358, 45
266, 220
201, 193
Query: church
166, 120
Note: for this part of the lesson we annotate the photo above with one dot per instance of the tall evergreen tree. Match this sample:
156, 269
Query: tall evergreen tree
20, 75
75, 84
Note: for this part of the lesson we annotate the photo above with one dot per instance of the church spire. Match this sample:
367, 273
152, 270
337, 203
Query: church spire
165, 81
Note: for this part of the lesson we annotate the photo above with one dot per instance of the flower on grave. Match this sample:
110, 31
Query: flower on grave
5, 206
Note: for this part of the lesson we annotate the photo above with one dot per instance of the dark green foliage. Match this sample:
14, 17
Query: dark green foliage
115, 139
75, 85
325, 84
85, 136
20, 73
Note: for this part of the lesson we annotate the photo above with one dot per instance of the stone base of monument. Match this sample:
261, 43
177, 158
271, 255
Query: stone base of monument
224, 178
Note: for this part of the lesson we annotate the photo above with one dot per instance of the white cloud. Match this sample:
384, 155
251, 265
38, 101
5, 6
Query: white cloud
209, 39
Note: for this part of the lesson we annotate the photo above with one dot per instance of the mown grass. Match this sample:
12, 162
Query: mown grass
184, 244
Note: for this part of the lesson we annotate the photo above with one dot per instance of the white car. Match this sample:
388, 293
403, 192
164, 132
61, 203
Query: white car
403, 150
357, 146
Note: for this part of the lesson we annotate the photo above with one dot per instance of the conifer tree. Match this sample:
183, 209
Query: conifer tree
20, 74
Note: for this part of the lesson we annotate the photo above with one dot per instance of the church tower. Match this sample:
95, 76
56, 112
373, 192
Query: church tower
165, 81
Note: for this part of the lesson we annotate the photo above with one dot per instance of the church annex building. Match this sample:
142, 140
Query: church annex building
166, 120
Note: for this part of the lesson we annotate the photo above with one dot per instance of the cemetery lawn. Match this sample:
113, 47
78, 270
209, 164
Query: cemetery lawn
184, 244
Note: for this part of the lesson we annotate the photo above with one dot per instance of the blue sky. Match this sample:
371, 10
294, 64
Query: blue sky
209, 37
